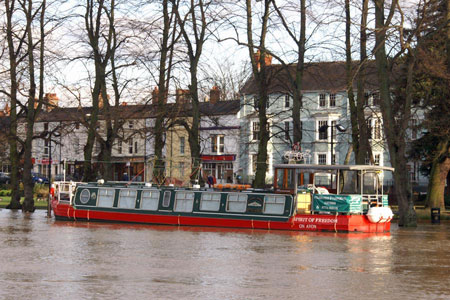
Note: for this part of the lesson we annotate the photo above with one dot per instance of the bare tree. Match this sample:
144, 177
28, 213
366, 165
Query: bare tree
24, 19
15, 56
194, 26
105, 43
395, 122
260, 74
296, 79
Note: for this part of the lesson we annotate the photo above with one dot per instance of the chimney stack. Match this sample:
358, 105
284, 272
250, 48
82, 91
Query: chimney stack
155, 95
5, 110
182, 96
101, 103
267, 59
214, 94
51, 101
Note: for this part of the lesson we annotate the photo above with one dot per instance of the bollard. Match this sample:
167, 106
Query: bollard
435, 215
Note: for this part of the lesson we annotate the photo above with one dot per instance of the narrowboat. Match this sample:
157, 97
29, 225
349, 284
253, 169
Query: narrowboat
304, 197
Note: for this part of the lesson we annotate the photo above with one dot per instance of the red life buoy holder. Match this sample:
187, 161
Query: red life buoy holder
52, 190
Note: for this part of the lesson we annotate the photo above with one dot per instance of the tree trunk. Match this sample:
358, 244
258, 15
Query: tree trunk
297, 101
159, 166
364, 149
396, 142
438, 176
349, 73
261, 160
12, 134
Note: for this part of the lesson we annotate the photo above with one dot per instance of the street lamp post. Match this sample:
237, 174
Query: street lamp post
340, 128
50, 134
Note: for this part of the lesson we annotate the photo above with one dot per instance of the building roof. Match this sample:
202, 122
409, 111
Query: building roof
318, 76
140, 111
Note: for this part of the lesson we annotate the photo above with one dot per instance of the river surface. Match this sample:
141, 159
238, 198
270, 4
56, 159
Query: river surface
42, 258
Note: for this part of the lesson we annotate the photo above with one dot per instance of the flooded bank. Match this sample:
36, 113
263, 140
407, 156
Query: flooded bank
47, 259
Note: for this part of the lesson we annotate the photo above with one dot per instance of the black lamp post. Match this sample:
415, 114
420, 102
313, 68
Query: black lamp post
324, 128
50, 134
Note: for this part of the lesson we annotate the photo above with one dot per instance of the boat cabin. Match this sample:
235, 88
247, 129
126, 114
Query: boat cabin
143, 198
332, 188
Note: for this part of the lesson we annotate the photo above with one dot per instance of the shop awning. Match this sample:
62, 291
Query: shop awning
228, 157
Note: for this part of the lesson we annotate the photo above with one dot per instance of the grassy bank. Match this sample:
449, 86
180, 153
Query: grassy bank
4, 201
424, 213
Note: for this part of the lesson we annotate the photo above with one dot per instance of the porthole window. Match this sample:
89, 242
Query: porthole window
84, 196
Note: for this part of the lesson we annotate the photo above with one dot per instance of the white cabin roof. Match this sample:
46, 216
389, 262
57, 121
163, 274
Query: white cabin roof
312, 167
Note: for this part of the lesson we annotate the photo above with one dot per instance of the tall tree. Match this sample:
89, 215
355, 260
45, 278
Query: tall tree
15, 55
432, 86
260, 74
104, 42
32, 110
395, 123
168, 41
193, 26
26, 57
297, 78
364, 148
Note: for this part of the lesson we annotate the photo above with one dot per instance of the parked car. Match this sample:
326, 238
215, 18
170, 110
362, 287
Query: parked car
39, 178
60, 177
4, 178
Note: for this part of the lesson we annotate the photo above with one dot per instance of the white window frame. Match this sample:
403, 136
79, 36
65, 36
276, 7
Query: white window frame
319, 154
236, 202
318, 124
182, 145
105, 196
287, 102
217, 143
210, 201
127, 198
150, 200
332, 99
274, 204
324, 100
130, 146
377, 128
255, 129
184, 201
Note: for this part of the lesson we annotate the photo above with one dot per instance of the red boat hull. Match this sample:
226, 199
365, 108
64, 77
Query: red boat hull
300, 222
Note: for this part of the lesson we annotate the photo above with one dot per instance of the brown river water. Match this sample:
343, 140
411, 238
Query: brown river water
42, 258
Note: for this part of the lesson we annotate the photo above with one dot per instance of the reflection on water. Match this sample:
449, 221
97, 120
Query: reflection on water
45, 259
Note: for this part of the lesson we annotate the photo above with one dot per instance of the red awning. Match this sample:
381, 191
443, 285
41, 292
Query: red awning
230, 157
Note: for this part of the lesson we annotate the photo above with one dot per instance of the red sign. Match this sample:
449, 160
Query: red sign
219, 157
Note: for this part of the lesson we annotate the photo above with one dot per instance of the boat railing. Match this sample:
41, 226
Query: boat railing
65, 190
373, 200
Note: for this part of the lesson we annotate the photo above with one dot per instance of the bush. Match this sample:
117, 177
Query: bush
40, 190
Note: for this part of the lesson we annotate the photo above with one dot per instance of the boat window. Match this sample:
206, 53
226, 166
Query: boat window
150, 200
84, 196
184, 201
236, 202
274, 205
210, 201
370, 183
285, 179
127, 198
105, 197
166, 200
350, 181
